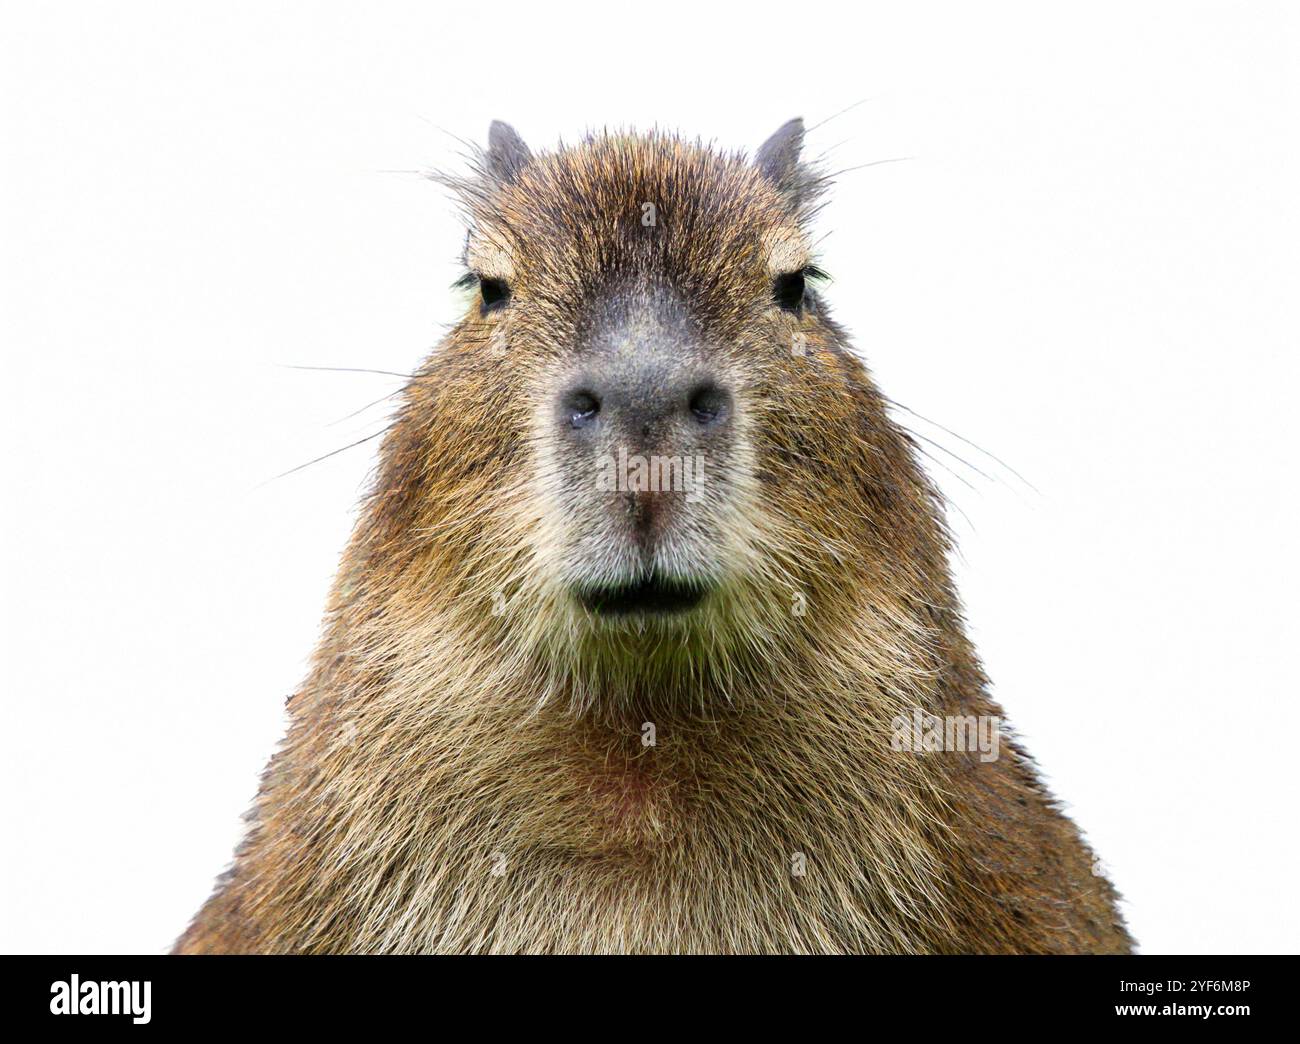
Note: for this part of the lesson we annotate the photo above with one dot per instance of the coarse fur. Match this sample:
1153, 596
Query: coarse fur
478, 763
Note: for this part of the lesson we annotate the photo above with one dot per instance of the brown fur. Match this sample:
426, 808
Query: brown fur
462, 780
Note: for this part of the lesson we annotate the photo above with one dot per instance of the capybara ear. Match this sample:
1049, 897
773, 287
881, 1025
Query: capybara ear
778, 157
507, 154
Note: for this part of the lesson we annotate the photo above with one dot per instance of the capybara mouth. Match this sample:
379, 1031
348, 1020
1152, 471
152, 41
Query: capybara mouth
651, 594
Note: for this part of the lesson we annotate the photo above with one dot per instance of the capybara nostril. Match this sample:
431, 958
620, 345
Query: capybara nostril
710, 404
580, 407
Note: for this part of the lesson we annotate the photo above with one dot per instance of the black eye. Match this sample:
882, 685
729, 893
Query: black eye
495, 293
789, 289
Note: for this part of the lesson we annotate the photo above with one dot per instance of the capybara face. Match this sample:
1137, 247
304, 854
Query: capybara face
646, 443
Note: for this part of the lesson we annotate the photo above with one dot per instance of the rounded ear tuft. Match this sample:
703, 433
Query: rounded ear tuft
507, 154
778, 157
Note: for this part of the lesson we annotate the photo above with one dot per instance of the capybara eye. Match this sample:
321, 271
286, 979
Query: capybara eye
789, 290
495, 293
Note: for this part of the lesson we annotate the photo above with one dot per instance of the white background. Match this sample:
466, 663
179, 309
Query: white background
1088, 267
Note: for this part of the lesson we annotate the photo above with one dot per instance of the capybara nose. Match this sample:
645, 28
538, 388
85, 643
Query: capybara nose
650, 406
656, 427
648, 412
645, 380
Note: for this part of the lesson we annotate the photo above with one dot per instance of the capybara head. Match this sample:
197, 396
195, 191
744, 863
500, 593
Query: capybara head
646, 452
